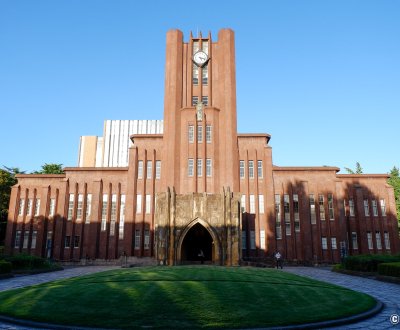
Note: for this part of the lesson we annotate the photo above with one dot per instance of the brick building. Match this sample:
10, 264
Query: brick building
194, 186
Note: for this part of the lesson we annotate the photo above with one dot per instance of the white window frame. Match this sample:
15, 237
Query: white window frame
374, 208
354, 240
121, 217
261, 205
242, 169
104, 207
387, 240
383, 207
79, 207
88, 208
199, 134
199, 167
52, 208
324, 243
138, 237
71, 207
321, 205
158, 169
369, 240
208, 133
138, 204
331, 210
252, 204
351, 207
33, 239
191, 133
260, 169
313, 214
140, 169
252, 240
251, 169
262, 239
366, 208
208, 167
37, 207
333, 243
148, 204
21, 206
378, 239
29, 207
243, 203
149, 171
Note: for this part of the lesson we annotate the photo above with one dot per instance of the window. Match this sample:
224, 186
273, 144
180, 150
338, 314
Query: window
76, 241
261, 204
148, 204
374, 208
251, 169
204, 99
199, 133
333, 243
195, 100
387, 240
344, 207
252, 204
252, 239
70, 206
137, 239
351, 207
241, 169
244, 240
104, 212
354, 240
330, 207
324, 243
113, 214
37, 207
122, 217
262, 239
138, 204
199, 167
146, 239
383, 207
140, 169
208, 167
286, 210
243, 203
149, 169
21, 206
208, 133
312, 210
190, 166
204, 75
369, 238
321, 207
366, 208
158, 169
195, 75
29, 207
52, 208
67, 241
378, 240
191, 133
79, 207
278, 216
204, 46
26, 239
88, 207
17, 241
259, 169
296, 212
33, 242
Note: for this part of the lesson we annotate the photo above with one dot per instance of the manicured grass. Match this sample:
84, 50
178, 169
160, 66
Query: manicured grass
184, 297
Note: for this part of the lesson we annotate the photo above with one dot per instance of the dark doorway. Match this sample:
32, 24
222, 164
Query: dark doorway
197, 245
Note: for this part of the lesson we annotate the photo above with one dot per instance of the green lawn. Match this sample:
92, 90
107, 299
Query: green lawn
184, 297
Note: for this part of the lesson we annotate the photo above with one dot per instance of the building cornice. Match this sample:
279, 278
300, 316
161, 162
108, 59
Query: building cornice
305, 168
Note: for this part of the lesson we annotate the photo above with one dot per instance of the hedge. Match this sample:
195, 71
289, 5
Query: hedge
5, 267
24, 261
369, 262
389, 269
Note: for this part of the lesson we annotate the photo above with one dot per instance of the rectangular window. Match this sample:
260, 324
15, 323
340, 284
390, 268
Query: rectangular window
149, 169
26, 239
199, 133
204, 75
88, 207
324, 243
191, 133
67, 241
354, 240
244, 240
204, 46
104, 212
383, 207
208, 133
113, 218
76, 241
286, 210
243, 203
369, 239
199, 167
70, 206
296, 212
351, 207
252, 204
52, 209
262, 239
251, 169
378, 240
37, 207
374, 208
330, 207
252, 239
261, 204
29, 207
195, 76
259, 169
321, 207
333, 243
208, 167
79, 207
241, 169
21, 206
33, 242
148, 204
387, 240
312, 210
204, 99
278, 216
195, 100
190, 166
366, 208
122, 217
146, 239
137, 239
158, 169
140, 169
138, 204
17, 241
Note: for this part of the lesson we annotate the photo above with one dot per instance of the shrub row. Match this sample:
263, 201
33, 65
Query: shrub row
369, 262
24, 261
389, 269
5, 267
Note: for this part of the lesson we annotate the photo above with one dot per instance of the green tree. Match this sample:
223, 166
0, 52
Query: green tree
358, 169
394, 181
50, 169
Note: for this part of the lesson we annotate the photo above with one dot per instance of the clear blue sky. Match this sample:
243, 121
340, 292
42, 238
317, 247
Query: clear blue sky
322, 77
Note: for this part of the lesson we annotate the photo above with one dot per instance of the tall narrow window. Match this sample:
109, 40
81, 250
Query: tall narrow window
252, 239
369, 239
312, 210
324, 243
374, 208
191, 133
243, 203
278, 216
208, 133
261, 204
67, 241
140, 169
286, 209
195, 75
104, 212
199, 167
333, 243
146, 239
296, 212
79, 207
241, 169
33, 241
244, 240
158, 169
204, 75
88, 208
122, 217
17, 241
351, 207
204, 100
366, 208
199, 133
52, 208
21, 206
113, 218
330, 207
387, 240
383, 207
71, 206
252, 204
37, 207
262, 239
137, 239
190, 166
149, 169
321, 207
29, 207
138, 204
148, 204
354, 240
378, 240
251, 169
76, 241
195, 100
26, 239
208, 167
259, 169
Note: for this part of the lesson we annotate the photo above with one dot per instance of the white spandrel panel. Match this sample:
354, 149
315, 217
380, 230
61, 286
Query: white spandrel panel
99, 151
107, 135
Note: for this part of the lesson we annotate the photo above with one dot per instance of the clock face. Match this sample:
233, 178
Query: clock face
200, 58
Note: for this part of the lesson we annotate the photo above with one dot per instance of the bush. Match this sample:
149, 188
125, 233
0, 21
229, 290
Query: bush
5, 267
369, 262
389, 269
24, 261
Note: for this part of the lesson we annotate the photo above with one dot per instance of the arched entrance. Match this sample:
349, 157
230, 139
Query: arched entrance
197, 245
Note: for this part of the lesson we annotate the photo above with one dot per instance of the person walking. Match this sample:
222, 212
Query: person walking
278, 259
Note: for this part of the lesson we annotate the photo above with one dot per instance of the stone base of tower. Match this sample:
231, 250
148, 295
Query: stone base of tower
198, 228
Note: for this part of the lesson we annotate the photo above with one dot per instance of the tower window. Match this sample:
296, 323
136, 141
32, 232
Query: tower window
204, 100
251, 169
241, 169
199, 167
191, 133
195, 74
204, 75
195, 100
190, 167
259, 169
199, 133
158, 169
208, 133
208, 167
149, 168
